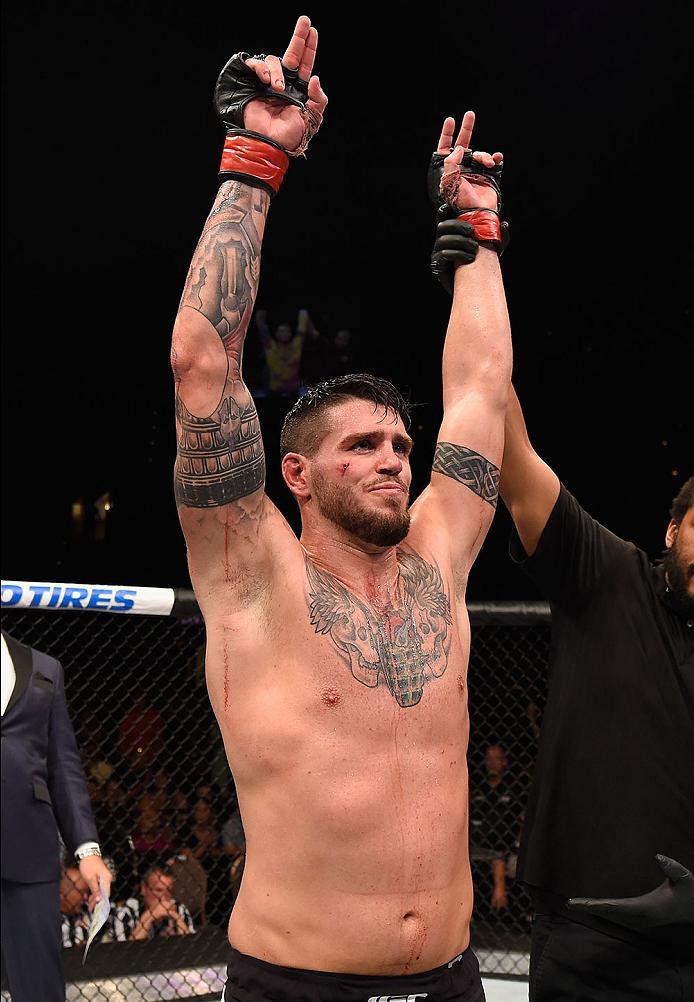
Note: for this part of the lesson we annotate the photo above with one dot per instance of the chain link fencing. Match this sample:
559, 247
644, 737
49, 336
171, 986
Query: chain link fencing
165, 803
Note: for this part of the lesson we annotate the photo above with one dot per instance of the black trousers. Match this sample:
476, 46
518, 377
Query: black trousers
570, 962
31, 944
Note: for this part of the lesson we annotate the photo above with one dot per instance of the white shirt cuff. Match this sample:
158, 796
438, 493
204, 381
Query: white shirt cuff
88, 845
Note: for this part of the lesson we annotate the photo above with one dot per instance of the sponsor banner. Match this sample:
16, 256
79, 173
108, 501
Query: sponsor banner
91, 598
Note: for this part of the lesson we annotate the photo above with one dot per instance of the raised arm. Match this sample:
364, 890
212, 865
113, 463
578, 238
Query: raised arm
270, 109
528, 486
220, 454
477, 361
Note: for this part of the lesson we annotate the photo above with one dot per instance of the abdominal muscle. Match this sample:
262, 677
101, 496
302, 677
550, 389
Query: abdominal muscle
356, 836
313, 929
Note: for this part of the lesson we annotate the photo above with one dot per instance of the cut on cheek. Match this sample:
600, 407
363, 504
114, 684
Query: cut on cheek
342, 469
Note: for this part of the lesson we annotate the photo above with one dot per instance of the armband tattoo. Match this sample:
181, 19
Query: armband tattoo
469, 469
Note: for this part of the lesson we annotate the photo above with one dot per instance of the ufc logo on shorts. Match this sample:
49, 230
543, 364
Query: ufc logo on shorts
399, 998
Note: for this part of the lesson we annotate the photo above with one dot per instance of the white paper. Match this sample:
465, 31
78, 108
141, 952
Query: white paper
99, 916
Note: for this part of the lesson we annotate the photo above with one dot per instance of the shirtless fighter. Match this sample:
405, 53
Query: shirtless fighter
336, 664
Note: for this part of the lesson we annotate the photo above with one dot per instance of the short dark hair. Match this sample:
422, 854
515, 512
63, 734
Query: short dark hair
303, 426
683, 501
162, 868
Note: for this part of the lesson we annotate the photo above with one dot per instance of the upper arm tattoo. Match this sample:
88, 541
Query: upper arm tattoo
468, 468
220, 458
220, 454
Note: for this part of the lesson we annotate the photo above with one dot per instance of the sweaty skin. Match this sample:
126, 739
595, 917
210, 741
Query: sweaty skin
336, 665
354, 807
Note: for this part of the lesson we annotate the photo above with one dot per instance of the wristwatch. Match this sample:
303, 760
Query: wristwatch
87, 849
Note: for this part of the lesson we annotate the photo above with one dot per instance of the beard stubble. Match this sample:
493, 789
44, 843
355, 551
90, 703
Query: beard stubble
678, 577
340, 506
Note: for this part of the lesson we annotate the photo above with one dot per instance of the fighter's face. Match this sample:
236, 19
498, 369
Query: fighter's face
679, 561
360, 476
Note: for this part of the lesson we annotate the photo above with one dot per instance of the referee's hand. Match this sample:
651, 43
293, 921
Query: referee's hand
672, 902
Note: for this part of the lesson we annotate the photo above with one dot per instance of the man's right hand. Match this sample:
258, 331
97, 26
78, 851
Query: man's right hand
279, 118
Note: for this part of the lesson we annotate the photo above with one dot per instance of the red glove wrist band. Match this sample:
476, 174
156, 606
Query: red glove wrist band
486, 223
244, 155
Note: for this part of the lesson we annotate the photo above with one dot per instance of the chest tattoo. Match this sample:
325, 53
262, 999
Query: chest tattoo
404, 642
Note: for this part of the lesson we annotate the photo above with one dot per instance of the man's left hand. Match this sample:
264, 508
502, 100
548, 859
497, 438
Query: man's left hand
462, 190
91, 868
671, 902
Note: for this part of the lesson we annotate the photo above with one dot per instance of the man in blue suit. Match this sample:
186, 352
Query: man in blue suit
43, 792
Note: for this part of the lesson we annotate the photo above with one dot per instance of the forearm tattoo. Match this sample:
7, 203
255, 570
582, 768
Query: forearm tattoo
468, 468
403, 643
220, 454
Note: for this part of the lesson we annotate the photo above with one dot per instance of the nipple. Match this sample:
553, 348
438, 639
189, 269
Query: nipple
331, 697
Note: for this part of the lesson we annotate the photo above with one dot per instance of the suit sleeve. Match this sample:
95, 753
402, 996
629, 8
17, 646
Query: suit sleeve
573, 553
66, 780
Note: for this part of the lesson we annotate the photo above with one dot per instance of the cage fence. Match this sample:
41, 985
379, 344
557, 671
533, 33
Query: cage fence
164, 799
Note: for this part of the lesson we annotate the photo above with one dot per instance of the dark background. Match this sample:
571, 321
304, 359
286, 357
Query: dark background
110, 156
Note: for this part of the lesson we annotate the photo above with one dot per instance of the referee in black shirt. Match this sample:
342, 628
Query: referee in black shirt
611, 808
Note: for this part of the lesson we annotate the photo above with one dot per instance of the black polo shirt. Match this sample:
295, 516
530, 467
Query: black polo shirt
614, 779
495, 816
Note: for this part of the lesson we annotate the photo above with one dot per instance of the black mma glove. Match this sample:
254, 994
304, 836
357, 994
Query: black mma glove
238, 84
248, 156
670, 903
469, 168
489, 230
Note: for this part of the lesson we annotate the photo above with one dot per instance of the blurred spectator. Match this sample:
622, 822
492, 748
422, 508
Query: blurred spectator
234, 847
159, 912
207, 791
114, 815
121, 923
535, 720
205, 846
495, 819
342, 357
75, 916
323, 356
96, 766
158, 789
172, 804
190, 885
282, 349
204, 835
316, 350
151, 837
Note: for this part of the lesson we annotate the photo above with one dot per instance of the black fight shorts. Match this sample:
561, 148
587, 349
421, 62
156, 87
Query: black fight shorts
252, 980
